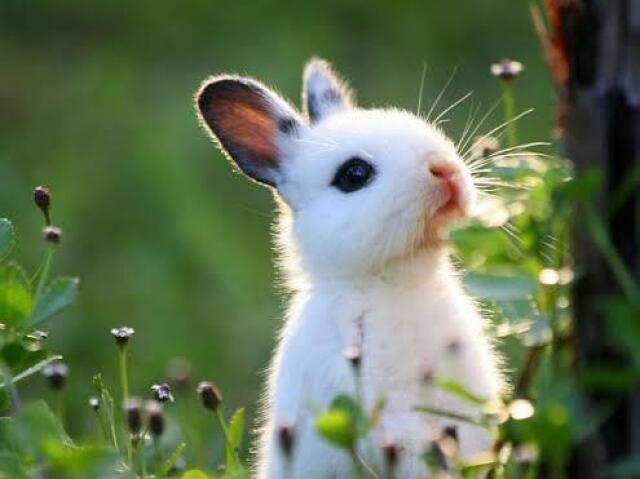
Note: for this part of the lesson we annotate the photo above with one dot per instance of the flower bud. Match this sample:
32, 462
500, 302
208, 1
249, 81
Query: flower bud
209, 395
155, 418
506, 69
94, 402
133, 411
56, 374
52, 234
122, 335
162, 392
354, 355
286, 439
42, 199
390, 451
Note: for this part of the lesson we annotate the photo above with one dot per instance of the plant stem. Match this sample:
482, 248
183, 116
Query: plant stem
528, 371
59, 405
124, 386
124, 381
143, 464
223, 424
114, 436
103, 427
44, 273
509, 108
357, 377
10, 381
452, 415
157, 451
139, 452
362, 468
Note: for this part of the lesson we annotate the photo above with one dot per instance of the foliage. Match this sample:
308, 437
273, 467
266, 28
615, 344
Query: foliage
516, 253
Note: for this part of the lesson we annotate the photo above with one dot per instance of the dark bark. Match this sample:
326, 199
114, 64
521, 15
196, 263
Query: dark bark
597, 47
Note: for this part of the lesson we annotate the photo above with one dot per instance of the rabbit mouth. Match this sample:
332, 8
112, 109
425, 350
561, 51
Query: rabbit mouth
451, 204
451, 209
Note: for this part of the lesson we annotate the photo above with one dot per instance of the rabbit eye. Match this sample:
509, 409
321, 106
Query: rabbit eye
353, 174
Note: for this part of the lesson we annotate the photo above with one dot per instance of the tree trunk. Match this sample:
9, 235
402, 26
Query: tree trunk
596, 61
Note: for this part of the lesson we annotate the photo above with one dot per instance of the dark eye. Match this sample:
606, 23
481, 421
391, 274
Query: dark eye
353, 174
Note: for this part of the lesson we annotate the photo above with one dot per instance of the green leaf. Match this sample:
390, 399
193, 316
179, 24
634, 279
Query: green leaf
57, 296
171, 461
7, 237
34, 425
457, 389
85, 461
336, 425
479, 464
10, 467
236, 472
17, 357
500, 287
234, 436
195, 474
354, 409
5, 401
15, 298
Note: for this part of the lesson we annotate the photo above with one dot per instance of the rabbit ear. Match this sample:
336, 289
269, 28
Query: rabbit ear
249, 122
323, 92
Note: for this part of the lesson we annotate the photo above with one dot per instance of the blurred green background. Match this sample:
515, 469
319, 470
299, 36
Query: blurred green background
96, 103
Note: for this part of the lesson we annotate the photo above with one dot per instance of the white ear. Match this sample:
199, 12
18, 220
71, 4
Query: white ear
248, 121
323, 92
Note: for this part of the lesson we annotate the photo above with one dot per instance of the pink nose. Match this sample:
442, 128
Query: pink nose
443, 171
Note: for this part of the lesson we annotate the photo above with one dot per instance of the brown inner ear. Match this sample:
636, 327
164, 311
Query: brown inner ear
245, 126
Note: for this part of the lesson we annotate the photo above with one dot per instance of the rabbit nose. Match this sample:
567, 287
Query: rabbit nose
442, 170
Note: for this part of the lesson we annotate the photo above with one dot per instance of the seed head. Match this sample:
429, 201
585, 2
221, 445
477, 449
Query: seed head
390, 452
484, 147
41, 196
155, 418
42, 199
427, 375
448, 442
162, 392
506, 69
451, 432
354, 355
286, 439
209, 395
52, 234
94, 402
56, 374
133, 411
122, 335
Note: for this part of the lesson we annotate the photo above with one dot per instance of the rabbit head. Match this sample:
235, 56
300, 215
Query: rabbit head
360, 188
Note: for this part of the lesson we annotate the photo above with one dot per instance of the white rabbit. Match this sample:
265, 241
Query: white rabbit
365, 199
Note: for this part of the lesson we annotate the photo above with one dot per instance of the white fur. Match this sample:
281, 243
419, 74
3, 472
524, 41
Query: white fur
369, 269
